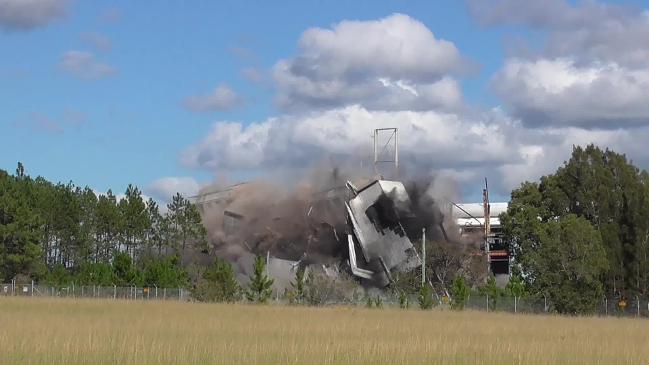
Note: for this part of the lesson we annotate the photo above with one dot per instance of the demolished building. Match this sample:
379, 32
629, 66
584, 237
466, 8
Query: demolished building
377, 232
360, 230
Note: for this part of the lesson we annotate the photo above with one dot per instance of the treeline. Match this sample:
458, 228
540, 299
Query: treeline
582, 233
62, 233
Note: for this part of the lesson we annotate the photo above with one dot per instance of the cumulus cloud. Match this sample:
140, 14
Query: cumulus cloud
356, 76
220, 99
165, 188
84, 65
561, 92
431, 137
394, 63
590, 30
591, 72
24, 15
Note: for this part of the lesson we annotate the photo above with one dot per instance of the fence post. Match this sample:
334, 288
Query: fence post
606, 306
156, 291
180, 294
487, 302
114, 291
135, 292
637, 299
32, 288
164, 293
73, 289
81, 291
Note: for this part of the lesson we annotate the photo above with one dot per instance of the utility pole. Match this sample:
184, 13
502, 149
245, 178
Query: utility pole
487, 222
423, 254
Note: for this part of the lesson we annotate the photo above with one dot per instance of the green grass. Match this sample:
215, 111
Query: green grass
86, 331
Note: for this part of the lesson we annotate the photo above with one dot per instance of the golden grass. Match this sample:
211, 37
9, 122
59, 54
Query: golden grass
86, 331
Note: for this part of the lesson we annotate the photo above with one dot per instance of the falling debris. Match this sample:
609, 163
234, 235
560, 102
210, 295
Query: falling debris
377, 233
363, 231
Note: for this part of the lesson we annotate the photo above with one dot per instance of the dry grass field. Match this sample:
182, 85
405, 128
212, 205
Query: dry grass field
86, 331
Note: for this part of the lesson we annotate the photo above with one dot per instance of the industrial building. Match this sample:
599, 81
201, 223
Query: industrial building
472, 220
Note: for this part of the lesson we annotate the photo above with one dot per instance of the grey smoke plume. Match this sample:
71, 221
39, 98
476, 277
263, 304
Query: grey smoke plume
306, 219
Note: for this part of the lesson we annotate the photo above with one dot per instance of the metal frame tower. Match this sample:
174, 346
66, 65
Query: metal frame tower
387, 152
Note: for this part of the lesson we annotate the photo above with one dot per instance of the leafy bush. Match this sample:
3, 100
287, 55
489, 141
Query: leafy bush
322, 289
298, 293
492, 291
95, 274
164, 272
403, 300
459, 293
426, 297
218, 284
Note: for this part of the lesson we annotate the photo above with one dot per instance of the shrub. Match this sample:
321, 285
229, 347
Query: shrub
459, 293
218, 284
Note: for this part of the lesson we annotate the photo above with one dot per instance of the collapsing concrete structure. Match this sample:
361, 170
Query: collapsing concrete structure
377, 241
360, 231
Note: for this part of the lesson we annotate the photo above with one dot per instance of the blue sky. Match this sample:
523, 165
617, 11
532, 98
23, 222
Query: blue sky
97, 92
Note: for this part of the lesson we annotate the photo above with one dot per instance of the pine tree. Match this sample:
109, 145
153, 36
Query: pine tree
260, 284
218, 284
459, 293
492, 291
185, 226
403, 300
299, 285
425, 297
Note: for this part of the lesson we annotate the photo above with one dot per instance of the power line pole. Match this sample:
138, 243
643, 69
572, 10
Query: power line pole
487, 222
423, 254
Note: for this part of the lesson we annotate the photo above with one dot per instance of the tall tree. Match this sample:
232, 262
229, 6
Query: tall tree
20, 249
109, 223
604, 188
135, 219
569, 264
185, 225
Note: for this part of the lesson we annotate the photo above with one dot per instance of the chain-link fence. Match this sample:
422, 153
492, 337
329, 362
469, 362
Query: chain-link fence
618, 306
94, 291
621, 307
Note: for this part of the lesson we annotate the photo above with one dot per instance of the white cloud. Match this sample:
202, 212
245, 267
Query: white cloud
394, 63
562, 92
541, 152
24, 15
359, 75
220, 99
588, 30
591, 70
230, 145
84, 65
292, 140
165, 188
